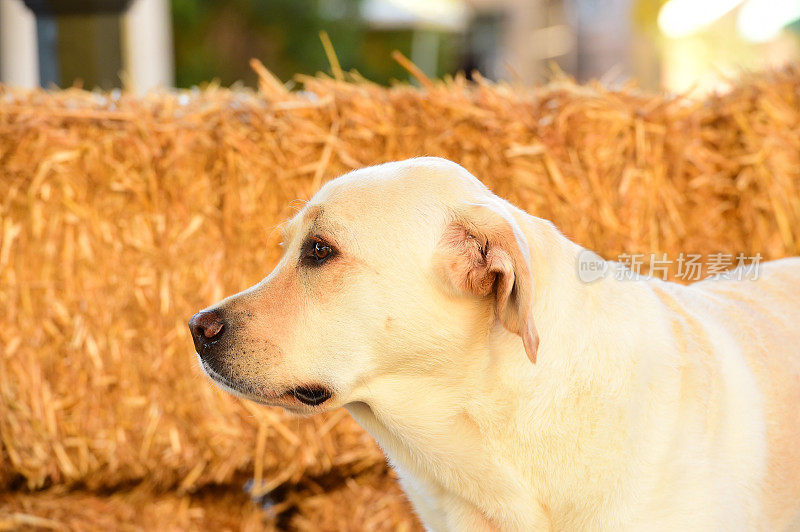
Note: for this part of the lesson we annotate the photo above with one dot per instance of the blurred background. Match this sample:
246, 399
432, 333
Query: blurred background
675, 45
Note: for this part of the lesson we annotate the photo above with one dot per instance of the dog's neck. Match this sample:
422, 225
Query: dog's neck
459, 432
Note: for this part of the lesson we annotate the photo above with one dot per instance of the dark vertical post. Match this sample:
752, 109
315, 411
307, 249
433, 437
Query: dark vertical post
47, 40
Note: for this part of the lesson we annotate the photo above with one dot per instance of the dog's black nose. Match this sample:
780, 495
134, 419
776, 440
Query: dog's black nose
207, 327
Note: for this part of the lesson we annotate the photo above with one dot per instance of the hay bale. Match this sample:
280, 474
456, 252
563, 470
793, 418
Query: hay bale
371, 501
138, 509
122, 216
116, 230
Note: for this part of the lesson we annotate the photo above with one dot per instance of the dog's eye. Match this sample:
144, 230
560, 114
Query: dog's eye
317, 252
321, 251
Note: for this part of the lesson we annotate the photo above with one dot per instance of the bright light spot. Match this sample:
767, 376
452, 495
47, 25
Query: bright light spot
679, 18
763, 20
452, 14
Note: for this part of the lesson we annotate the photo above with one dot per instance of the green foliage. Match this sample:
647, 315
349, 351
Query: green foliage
217, 39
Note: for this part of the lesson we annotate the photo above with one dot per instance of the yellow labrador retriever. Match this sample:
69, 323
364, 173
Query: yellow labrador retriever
508, 394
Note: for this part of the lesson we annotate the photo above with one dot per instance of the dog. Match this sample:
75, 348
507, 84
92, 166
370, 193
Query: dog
507, 393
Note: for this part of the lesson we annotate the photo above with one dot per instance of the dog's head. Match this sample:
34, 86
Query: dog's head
390, 271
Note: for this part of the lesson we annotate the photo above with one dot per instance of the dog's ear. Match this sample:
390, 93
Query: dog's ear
485, 252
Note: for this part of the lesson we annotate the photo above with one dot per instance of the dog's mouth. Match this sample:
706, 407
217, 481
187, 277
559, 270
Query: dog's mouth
309, 395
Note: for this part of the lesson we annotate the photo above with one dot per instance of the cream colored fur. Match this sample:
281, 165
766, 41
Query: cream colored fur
651, 405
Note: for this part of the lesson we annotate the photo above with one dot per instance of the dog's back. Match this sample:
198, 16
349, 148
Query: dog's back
766, 312
741, 340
